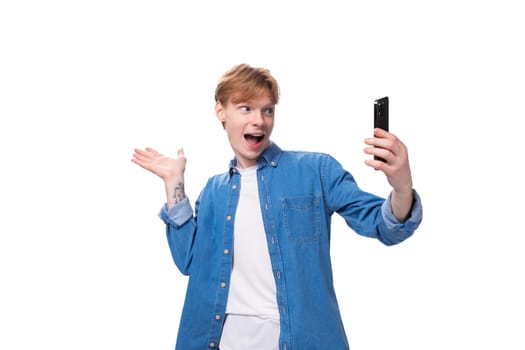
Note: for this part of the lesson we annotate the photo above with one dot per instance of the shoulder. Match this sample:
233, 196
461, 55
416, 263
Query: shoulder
275, 155
218, 180
215, 185
307, 158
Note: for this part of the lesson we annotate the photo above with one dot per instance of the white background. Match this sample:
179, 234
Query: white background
83, 259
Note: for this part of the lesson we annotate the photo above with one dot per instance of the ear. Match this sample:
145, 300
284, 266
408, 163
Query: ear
219, 112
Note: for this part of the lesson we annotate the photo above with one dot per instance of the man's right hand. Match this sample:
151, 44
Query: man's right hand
171, 170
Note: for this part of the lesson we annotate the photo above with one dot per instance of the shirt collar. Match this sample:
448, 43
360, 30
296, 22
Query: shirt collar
269, 157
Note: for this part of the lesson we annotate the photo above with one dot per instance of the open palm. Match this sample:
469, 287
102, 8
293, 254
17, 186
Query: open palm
165, 167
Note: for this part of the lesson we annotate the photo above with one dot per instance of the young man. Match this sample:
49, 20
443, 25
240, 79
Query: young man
257, 247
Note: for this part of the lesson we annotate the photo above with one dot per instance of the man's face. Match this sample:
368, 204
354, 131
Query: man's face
249, 126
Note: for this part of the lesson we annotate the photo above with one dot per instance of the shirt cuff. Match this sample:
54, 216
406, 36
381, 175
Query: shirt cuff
178, 214
414, 218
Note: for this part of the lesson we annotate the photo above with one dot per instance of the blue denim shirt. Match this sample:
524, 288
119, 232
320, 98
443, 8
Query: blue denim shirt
299, 192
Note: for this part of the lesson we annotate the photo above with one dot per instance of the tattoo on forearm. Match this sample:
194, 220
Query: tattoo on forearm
178, 193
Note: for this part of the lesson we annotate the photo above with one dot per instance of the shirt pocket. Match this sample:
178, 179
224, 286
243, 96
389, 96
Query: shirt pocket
302, 218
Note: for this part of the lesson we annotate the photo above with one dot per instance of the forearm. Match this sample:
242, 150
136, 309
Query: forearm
402, 204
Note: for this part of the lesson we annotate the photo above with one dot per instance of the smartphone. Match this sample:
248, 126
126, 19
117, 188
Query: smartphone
381, 116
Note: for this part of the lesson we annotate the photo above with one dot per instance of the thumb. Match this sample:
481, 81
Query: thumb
180, 152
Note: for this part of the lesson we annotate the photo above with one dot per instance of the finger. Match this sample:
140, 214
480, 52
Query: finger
140, 160
152, 151
384, 153
142, 154
180, 152
378, 132
380, 143
386, 140
376, 164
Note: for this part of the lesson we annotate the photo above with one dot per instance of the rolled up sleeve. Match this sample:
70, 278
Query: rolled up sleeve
412, 221
177, 215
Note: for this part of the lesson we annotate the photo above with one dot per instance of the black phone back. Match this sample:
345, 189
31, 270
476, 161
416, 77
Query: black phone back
381, 116
381, 113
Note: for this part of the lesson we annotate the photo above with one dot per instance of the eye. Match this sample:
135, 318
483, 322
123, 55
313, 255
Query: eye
244, 108
268, 111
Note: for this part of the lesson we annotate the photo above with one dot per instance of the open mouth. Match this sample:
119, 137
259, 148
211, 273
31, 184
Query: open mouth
253, 139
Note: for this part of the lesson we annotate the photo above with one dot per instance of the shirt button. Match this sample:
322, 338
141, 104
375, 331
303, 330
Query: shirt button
212, 345
217, 317
273, 163
226, 252
278, 274
229, 217
234, 187
223, 284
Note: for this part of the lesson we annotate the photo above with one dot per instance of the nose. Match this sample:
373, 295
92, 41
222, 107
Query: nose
257, 117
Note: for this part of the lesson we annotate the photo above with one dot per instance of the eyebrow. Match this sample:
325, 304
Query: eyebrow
250, 102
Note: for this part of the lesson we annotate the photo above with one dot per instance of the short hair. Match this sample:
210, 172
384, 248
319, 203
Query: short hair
243, 82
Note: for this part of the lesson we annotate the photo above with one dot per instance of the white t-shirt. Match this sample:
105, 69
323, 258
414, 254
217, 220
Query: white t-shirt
252, 314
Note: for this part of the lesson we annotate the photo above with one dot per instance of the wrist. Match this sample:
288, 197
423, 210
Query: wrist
175, 191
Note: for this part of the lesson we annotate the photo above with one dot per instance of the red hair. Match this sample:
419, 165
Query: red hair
243, 82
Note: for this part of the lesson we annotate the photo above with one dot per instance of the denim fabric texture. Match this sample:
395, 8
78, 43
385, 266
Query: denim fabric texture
299, 192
